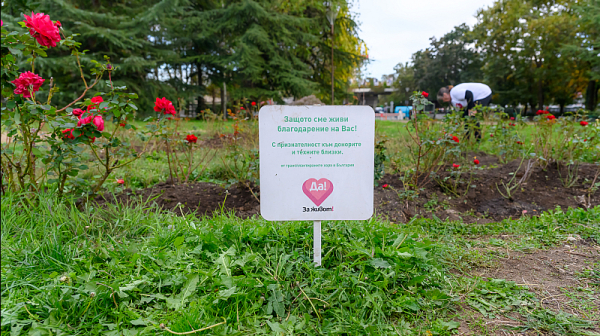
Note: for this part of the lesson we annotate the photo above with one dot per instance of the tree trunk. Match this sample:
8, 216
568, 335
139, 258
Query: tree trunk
562, 108
540, 95
201, 105
591, 95
214, 96
224, 100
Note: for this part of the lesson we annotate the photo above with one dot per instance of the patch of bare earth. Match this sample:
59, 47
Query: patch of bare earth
553, 275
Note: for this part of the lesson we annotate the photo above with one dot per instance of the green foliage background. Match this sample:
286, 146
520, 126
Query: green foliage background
184, 49
533, 53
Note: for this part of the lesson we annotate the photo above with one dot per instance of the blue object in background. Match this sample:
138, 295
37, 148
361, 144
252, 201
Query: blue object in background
403, 109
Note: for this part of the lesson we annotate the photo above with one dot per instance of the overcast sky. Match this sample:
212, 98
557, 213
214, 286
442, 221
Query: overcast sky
394, 29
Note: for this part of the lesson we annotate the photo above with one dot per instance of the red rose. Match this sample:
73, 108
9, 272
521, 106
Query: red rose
583, 123
77, 112
253, 103
43, 29
385, 186
120, 181
95, 103
98, 122
455, 138
492, 135
191, 138
85, 120
241, 108
546, 112
512, 118
425, 94
539, 112
165, 106
122, 124
454, 165
27, 81
550, 117
476, 161
68, 134
97, 100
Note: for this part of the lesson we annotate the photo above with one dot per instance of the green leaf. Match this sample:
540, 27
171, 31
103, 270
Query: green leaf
450, 325
177, 302
417, 280
178, 241
379, 263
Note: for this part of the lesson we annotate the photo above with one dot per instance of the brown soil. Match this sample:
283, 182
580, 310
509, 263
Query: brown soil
553, 275
200, 197
482, 204
543, 190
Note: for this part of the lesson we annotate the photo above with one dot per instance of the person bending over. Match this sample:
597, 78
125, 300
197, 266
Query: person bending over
466, 96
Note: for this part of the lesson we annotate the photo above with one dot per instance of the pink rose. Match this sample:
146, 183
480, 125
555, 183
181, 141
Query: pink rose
26, 81
99, 123
43, 29
85, 121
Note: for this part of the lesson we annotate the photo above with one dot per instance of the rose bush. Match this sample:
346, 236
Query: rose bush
50, 145
506, 136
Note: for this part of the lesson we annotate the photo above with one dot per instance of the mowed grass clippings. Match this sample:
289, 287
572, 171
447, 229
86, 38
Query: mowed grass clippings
125, 271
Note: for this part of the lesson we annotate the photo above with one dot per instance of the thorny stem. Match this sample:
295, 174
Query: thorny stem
82, 95
241, 180
81, 70
169, 161
201, 161
592, 187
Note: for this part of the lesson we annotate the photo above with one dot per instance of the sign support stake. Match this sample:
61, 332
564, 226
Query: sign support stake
317, 242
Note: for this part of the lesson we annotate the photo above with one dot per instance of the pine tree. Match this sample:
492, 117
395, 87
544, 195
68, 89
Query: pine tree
110, 28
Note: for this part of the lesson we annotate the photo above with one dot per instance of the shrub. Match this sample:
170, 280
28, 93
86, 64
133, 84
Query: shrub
51, 144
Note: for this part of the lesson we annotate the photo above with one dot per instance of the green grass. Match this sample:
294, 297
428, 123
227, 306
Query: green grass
120, 270
125, 270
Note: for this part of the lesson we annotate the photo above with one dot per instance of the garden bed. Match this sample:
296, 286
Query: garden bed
482, 204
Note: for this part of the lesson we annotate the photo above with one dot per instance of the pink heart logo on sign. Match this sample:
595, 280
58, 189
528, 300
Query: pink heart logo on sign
317, 190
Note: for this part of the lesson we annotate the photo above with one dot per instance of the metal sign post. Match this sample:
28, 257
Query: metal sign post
317, 242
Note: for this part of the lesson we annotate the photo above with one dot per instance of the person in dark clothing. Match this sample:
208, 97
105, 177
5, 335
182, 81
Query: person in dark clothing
466, 96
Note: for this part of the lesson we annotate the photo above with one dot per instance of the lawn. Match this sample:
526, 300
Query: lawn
120, 270
157, 263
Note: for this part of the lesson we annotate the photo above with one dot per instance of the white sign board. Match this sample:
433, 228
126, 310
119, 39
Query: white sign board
316, 162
